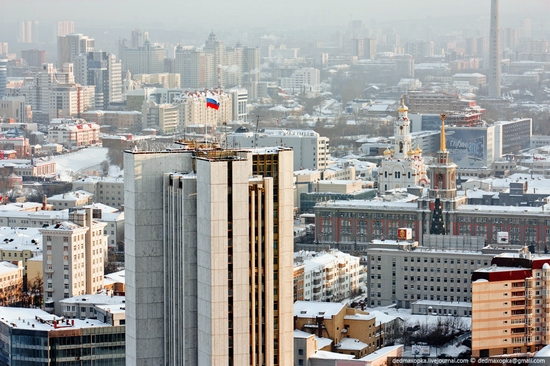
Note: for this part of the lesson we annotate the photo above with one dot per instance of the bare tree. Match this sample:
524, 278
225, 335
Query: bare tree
35, 291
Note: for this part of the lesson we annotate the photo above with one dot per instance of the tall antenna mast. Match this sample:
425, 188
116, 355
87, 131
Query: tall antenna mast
257, 129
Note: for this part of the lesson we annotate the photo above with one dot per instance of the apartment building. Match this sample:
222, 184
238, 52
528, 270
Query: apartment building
402, 273
74, 255
510, 305
327, 276
73, 133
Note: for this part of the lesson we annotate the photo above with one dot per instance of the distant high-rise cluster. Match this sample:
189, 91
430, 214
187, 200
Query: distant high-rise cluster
73, 45
102, 70
3, 76
34, 57
213, 66
64, 28
3, 48
53, 93
28, 31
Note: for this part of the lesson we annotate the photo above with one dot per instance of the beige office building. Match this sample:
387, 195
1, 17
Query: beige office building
73, 259
209, 257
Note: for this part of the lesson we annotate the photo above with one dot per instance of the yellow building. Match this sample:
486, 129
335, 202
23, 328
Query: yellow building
20, 244
352, 331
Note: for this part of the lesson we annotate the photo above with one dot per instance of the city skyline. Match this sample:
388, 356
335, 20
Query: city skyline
247, 13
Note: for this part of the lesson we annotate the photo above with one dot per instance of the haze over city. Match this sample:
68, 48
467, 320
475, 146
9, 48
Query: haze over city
275, 183
270, 15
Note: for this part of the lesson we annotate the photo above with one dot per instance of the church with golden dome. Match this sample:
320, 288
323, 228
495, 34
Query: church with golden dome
402, 166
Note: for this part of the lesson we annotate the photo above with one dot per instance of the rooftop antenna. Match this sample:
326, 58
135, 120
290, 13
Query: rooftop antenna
225, 134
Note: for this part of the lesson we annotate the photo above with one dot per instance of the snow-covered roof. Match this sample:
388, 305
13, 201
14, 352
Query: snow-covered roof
359, 316
504, 209
323, 342
374, 204
113, 308
101, 298
34, 215
20, 239
301, 334
351, 344
406, 314
382, 317
477, 193
7, 267
63, 225
311, 309
25, 206
331, 356
382, 352
36, 319
119, 276
104, 208
71, 196
499, 269
543, 352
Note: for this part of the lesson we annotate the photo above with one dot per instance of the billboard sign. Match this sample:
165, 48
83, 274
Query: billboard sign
420, 350
404, 233
469, 147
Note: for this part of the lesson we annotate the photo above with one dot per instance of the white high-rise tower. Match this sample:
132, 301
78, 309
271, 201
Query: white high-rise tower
209, 258
494, 52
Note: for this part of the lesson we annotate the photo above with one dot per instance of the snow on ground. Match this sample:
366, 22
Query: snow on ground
453, 350
413, 319
74, 162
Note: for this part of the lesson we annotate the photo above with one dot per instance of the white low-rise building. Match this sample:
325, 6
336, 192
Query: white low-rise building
328, 276
73, 133
84, 306
107, 190
70, 200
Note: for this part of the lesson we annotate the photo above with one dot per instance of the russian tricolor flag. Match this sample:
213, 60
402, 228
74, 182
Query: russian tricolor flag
212, 103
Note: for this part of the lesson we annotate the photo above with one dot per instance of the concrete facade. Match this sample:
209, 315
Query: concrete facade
73, 258
192, 223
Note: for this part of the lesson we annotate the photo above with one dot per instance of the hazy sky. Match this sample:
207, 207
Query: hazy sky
287, 13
